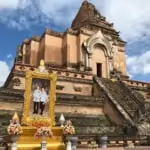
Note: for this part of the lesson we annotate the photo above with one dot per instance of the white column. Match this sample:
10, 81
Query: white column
43, 143
68, 145
14, 146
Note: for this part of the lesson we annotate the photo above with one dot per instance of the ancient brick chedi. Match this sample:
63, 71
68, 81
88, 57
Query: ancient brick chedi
86, 57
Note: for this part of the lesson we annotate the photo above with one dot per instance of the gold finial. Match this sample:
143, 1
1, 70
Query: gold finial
15, 116
42, 63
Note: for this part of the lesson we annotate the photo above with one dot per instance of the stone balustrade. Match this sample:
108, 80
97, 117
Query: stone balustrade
138, 84
113, 142
59, 72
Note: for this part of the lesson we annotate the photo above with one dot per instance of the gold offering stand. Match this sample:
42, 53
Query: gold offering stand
26, 140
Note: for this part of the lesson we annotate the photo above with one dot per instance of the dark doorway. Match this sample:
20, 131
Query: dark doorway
99, 70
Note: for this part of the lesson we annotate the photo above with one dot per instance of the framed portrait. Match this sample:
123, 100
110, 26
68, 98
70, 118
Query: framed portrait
39, 98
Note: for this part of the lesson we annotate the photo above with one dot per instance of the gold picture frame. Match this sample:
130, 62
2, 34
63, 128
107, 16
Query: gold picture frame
26, 118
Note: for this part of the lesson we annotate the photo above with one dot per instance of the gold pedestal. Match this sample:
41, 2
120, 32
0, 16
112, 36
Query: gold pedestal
27, 141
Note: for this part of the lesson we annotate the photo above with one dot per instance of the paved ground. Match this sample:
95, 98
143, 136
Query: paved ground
115, 148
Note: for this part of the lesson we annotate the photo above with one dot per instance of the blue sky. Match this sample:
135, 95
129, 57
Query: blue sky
20, 19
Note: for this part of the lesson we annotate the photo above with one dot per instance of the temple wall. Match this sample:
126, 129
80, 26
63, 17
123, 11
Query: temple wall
41, 49
82, 110
112, 113
120, 61
26, 53
11, 106
68, 50
64, 51
34, 48
72, 49
96, 90
81, 39
75, 88
108, 107
65, 87
53, 50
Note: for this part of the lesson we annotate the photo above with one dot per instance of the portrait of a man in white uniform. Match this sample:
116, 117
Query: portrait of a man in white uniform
36, 100
40, 97
43, 100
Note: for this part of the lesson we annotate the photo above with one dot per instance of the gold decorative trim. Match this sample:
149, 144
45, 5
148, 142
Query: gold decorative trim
28, 120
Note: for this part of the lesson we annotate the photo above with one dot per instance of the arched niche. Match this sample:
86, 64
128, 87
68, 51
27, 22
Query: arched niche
99, 60
98, 40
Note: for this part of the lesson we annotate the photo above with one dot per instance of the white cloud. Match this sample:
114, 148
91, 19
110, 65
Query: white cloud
4, 72
9, 56
9, 4
14, 4
139, 64
130, 17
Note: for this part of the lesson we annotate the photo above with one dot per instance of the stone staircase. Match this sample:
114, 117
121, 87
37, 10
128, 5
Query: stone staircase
127, 102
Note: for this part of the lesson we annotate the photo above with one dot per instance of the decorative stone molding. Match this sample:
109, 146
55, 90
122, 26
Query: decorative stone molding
71, 65
51, 67
16, 82
82, 75
26, 41
75, 80
36, 38
59, 72
67, 73
22, 68
60, 87
71, 31
54, 33
75, 75
88, 69
62, 78
77, 88
32, 69
50, 71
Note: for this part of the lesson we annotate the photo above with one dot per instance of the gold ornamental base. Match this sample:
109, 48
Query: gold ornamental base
27, 141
